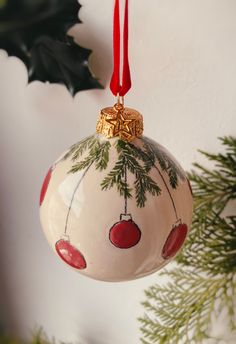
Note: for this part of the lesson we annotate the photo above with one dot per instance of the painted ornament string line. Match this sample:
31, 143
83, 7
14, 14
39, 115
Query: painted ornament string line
73, 196
126, 189
169, 193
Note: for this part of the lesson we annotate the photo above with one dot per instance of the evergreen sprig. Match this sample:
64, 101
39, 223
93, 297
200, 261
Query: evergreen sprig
116, 177
157, 153
130, 158
135, 159
98, 154
204, 281
37, 338
215, 188
127, 159
79, 148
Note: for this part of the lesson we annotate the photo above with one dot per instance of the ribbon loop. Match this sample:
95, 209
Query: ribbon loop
115, 86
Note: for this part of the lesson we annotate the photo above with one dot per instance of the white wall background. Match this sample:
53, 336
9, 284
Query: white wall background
183, 59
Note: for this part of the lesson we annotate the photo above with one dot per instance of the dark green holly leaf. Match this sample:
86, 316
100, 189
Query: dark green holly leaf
36, 32
61, 62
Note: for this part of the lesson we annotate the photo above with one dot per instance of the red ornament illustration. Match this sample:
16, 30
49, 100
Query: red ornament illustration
66, 251
175, 240
45, 186
70, 254
179, 232
125, 233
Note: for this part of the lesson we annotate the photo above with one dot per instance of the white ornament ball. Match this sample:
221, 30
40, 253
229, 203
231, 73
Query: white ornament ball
114, 210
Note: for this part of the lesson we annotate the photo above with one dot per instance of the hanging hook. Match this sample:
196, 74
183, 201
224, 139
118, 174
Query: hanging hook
120, 100
120, 103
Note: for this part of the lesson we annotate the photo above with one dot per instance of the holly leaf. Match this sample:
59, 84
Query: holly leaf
36, 32
62, 62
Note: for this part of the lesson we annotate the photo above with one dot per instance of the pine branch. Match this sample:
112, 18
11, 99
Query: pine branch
204, 281
216, 188
148, 160
88, 161
103, 157
138, 161
98, 153
211, 245
186, 306
212, 189
79, 148
116, 178
167, 164
143, 182
133, 160
41, 338
37, 338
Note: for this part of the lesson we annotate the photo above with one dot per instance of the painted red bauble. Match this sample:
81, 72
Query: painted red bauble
175, 241
125, 234
70, 254
45, 186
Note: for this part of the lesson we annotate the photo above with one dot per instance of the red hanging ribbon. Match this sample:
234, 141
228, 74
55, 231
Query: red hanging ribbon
115, 86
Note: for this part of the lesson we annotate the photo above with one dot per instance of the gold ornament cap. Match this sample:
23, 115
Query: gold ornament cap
120, 121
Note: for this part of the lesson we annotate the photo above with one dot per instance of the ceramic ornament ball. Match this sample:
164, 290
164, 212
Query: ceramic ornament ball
117, 205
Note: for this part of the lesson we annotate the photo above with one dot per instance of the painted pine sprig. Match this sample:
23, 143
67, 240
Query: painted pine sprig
167, 164
135, 159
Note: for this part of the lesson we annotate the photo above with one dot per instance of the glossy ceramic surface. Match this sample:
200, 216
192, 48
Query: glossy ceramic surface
116, 211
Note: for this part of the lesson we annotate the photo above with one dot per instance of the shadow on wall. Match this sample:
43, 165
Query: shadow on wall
7, 319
